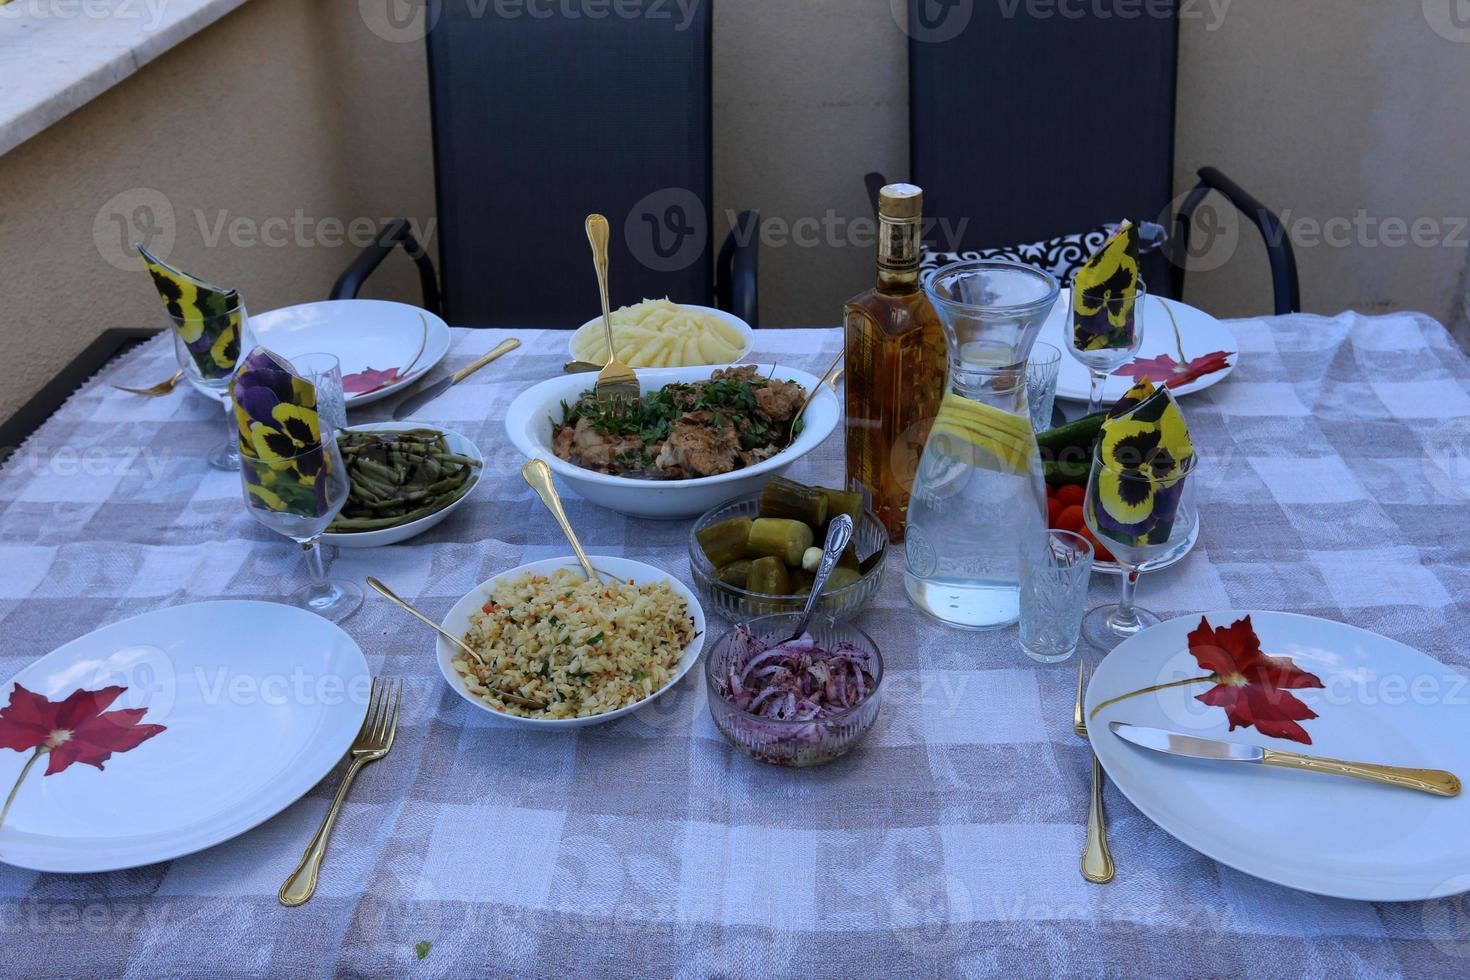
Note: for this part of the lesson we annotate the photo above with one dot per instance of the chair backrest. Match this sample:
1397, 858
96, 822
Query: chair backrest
1037, 124
541, 120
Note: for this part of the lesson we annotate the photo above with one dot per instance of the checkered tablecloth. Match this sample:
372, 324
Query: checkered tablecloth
947, 844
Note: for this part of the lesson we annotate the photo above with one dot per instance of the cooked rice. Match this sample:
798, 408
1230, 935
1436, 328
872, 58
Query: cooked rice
583, 648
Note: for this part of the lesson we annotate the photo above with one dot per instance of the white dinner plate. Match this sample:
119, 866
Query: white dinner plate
258, 701
457, 623
363, 333
1201, 333
1381, 702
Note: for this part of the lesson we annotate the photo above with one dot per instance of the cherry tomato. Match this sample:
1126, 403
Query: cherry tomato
1070, 495
1100, 552
1053, 508
1071, 519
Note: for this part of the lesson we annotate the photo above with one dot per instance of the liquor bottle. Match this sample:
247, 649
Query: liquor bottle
896, 360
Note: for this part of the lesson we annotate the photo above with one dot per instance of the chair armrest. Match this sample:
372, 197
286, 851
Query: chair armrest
397, 232
874, 182
736, 274
110, 343
1286, 286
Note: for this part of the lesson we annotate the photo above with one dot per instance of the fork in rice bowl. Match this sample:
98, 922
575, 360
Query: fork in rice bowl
592, 651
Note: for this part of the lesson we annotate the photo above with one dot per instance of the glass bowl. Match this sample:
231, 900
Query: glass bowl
738, 605
791, 743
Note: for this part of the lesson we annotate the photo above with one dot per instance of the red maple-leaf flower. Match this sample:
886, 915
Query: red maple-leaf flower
369, 380
1254, 689
1166, 370
78, 729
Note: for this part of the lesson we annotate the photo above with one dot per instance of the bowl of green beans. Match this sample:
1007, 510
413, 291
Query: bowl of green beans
405, 478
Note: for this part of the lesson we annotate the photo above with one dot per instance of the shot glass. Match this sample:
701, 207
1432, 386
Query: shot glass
1041, 384
1055, 568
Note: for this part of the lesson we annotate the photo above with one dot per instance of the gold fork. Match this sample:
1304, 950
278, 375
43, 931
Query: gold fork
155, 391
616, 382
374, 740
1097, 859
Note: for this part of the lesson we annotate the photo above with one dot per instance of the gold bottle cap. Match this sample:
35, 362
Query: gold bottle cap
901, 201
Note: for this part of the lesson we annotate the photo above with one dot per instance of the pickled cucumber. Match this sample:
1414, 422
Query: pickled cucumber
844, 502
768, 576
841, 577
779, 537
724, 542
737, 573
793, 501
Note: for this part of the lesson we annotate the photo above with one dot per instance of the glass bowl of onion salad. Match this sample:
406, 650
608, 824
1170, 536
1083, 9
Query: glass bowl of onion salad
798, 703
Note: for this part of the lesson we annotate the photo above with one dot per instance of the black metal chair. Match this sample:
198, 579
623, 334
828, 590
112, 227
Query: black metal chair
1046, 129
539, 121
97, 355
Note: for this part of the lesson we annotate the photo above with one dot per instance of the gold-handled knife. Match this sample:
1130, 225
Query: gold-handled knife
423, 396
1435, 781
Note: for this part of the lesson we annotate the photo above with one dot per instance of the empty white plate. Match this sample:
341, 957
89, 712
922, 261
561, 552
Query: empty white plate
1201, 334
1381, 701
258, 701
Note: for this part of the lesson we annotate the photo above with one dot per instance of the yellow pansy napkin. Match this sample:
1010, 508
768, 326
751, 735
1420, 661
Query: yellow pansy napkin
280, 434
1104, 292
209, 318
1146, 447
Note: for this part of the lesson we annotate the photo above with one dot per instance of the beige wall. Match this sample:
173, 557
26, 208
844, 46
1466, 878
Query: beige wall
1325, 109
296, 107
273, 118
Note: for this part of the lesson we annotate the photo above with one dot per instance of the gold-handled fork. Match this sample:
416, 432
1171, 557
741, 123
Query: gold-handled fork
616, 382
158, 390
469, 651
374, 740
1097, 859
833, 372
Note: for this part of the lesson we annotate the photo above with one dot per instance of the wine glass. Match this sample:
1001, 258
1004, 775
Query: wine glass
208, 351
324, 373
298, 496
1164, 507
1112, 330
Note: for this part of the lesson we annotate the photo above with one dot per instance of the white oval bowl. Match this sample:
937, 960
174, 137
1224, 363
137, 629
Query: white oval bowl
528, 423
402, 532
740, 325
457, 623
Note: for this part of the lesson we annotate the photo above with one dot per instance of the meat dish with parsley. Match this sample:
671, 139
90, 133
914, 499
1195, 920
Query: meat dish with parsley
683, 431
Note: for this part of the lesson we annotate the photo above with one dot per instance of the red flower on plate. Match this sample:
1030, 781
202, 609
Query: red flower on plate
369, 380
78, 729
1252, 688
1167, 370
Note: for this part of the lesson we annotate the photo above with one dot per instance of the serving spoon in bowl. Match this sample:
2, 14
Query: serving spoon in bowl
470, 651
839, 533
616, 382
538, 475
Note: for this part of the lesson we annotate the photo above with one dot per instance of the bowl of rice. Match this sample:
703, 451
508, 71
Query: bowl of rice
591, 652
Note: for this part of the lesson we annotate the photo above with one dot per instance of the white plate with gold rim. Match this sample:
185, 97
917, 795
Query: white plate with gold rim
1381, 701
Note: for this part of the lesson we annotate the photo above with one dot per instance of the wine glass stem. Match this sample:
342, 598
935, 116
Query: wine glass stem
1127, 616
232, 430
1094, 398
314, 566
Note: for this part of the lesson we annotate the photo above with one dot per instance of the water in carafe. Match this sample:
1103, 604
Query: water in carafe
978, 492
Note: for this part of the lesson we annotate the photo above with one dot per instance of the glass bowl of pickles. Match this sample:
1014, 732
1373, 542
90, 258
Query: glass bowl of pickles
756, 555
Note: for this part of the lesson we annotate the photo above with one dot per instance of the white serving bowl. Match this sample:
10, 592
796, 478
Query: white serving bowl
402, 532
457, 623
740, 326
528, 423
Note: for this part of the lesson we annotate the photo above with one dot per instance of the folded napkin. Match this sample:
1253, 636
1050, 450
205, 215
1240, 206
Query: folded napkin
1144, 436
280, 435
1104, 292
209, 317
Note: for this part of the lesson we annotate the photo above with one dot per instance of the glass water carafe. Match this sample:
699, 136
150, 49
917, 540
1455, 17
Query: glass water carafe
978, 491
